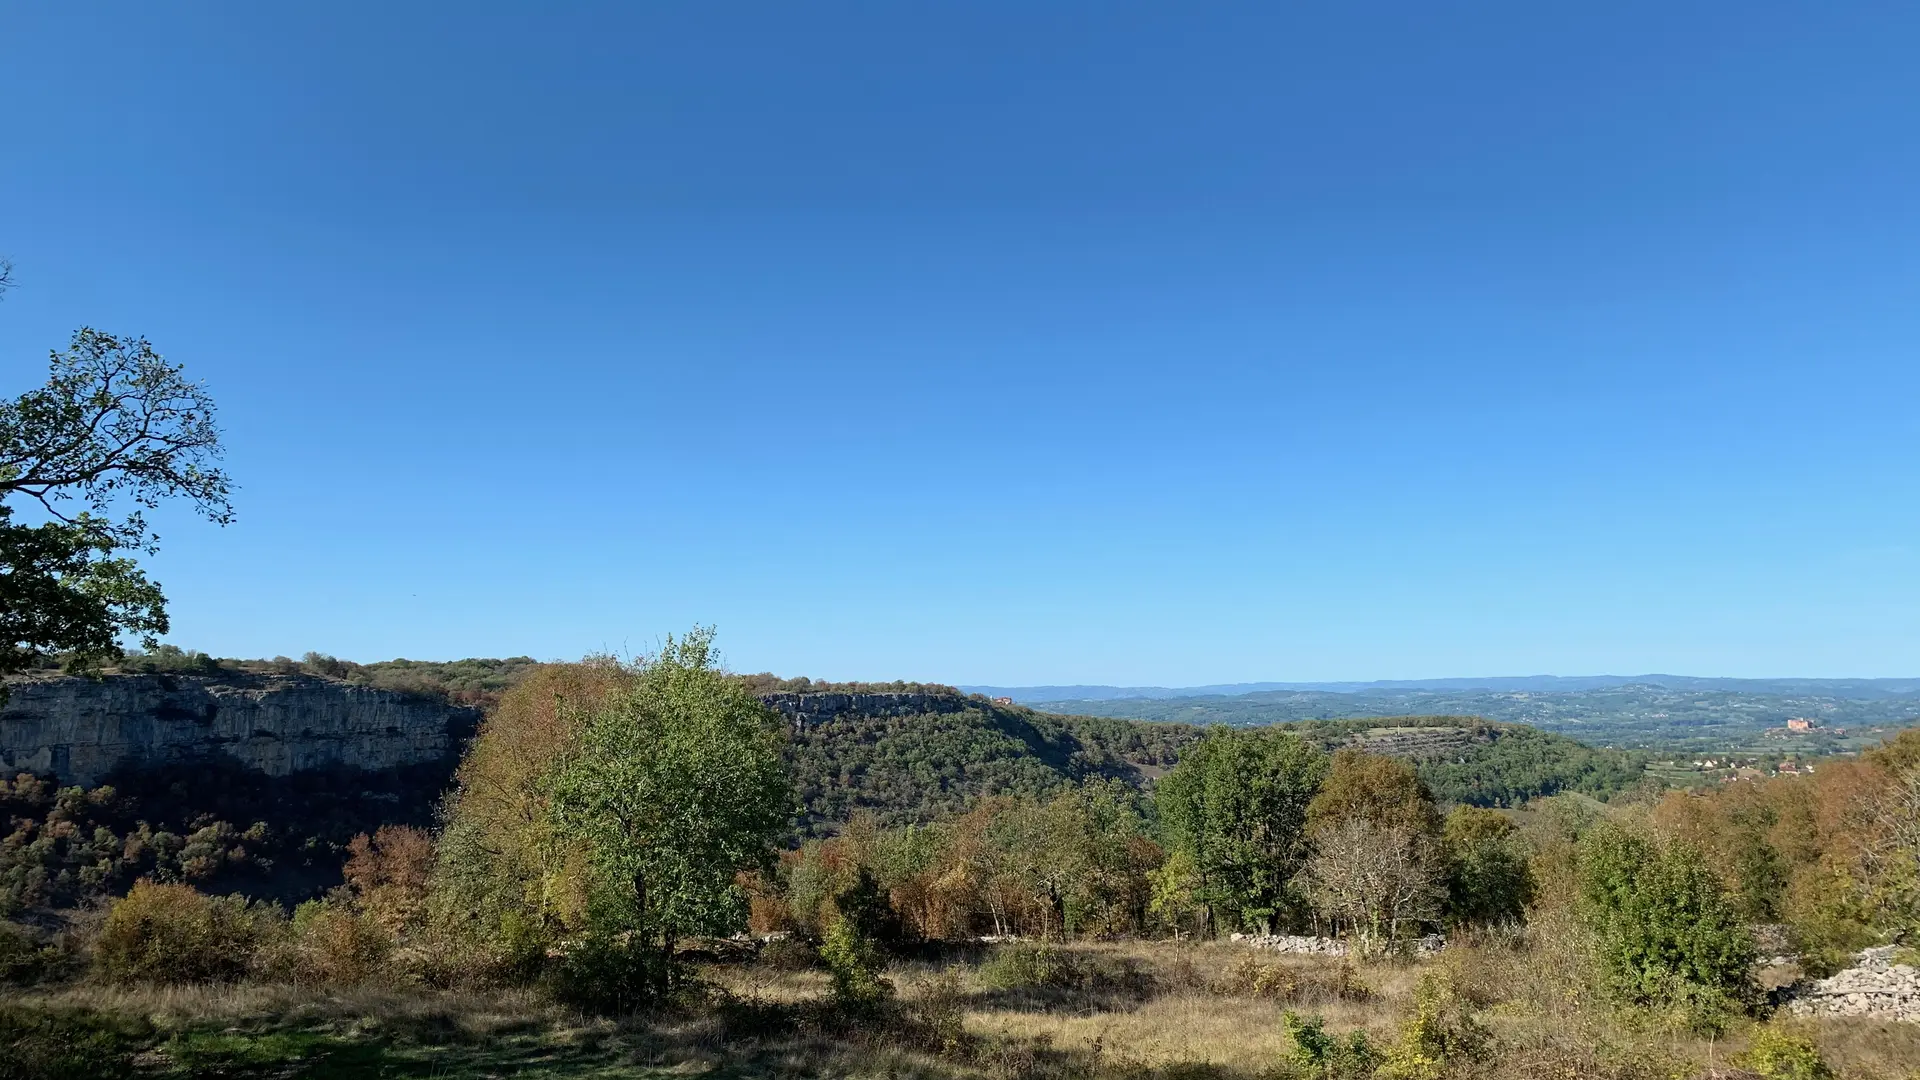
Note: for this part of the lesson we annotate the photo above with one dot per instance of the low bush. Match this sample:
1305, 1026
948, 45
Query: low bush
609, 975
1441, 1035
1779, 1052
1325, 1055
1668, 937
66, 1044
788, 954
1032, 967
328, 944
177, 934
24, 957
939, 1012
1253, 977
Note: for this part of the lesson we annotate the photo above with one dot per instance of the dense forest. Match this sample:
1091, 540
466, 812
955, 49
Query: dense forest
1466, 759
915, 766
213, 823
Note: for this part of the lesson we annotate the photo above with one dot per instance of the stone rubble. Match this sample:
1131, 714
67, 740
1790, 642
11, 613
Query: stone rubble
1875, 986
1320, 946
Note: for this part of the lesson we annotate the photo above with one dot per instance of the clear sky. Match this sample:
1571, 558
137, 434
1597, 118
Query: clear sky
1011, 343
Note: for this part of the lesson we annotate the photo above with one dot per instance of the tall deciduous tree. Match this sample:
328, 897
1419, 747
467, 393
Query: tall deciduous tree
674, 785
1375, 788
1488, 878
116, 431
505, 874
1373, 881
1237, 806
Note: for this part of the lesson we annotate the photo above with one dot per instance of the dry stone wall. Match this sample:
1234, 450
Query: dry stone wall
81, 729
1320, 946
1874, 986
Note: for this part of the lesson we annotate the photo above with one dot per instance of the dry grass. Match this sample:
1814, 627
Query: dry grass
1154, 1006
1132, 1010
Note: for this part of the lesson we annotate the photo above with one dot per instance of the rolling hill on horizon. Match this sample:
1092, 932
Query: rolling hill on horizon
1861, 689
1683, 719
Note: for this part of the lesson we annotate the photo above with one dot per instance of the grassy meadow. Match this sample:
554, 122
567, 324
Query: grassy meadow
1127, 1009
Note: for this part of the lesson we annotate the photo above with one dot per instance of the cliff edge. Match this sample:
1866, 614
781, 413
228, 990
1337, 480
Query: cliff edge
81, 729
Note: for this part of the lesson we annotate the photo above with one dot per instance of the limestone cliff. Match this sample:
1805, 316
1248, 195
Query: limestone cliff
80, 729
814, 707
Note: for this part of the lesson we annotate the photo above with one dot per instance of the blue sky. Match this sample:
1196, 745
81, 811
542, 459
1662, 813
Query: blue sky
1011, 343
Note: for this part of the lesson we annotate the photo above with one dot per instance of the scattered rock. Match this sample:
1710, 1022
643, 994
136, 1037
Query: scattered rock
1874, 986
1321, 946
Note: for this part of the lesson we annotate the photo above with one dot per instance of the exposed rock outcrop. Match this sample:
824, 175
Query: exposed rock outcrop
809, 709
81, 729
1875, 986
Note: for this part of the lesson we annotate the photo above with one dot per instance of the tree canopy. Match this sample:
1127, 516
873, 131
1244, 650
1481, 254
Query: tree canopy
1237, 806
614, 806
116, 431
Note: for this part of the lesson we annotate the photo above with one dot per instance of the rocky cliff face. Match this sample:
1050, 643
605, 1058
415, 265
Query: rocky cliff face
810, 709
81, 729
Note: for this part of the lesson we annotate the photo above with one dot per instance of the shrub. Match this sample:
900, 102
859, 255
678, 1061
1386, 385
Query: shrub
1327, 1055
24, 959
788, 954
327, 943
940, 1012
1668, 934
1025, 967
855, 964
177, 934
1780, 1053
864, 904
1441, 1034
1255, 978
46, 1044
1322, 983
610, 974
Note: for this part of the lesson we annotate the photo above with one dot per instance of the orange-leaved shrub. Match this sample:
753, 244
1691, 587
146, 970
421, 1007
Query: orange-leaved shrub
391, 875
328, 943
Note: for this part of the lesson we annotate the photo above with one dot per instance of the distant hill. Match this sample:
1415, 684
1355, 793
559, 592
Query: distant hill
914, 757
1674, 720
1465, 759
1862, 689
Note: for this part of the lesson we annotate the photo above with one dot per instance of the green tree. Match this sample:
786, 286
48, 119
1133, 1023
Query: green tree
1237, 806
674, 786
1175, 901
1376, 867
115, 431
1488, 877
855, 965
1669, 934
1383, 791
